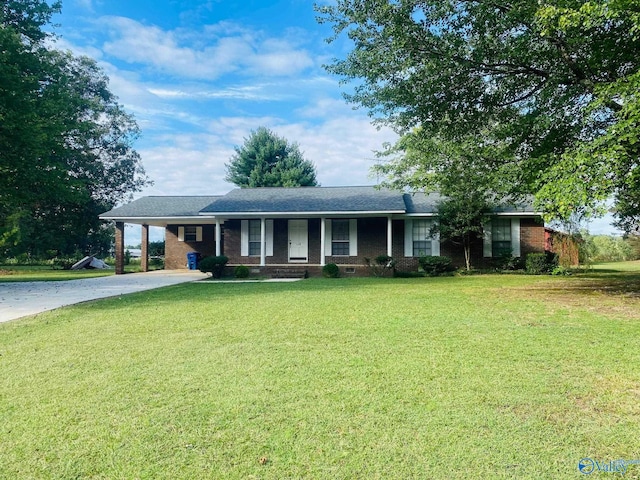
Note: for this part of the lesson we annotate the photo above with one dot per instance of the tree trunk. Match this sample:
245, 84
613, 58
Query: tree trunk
467, 252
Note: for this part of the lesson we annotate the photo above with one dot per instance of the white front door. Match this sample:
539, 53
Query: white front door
298, 241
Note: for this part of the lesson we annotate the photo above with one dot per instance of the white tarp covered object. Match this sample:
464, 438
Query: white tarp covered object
97, 263
90, 262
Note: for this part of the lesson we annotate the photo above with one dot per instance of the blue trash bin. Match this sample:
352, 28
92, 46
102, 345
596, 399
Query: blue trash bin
192, 260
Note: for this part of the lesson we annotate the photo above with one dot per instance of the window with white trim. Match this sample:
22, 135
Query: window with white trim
189, 233
254, 238
421, 235
500, 237
340, 238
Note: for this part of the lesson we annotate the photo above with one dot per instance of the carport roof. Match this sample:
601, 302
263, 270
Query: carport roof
161, 207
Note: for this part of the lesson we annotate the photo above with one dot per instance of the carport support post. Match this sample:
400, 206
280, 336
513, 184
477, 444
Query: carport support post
263, 242
218, 239
144, 254
389, 236
119, 248
323, 230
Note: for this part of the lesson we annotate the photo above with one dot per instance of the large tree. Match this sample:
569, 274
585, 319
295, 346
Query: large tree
65, 143
268, 160
458, 171
557, 86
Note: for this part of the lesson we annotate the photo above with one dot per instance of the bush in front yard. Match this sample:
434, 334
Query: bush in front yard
213, 265
434, 265
331, 270
540, 263
241, 271
380, 265
58, 263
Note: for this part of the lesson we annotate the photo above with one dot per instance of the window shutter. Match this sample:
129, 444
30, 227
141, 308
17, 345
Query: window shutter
515, 237
327, 238
435, 244
487, 247
269, 232
198, 234
408, 237
244, 238
353, 237
181, 234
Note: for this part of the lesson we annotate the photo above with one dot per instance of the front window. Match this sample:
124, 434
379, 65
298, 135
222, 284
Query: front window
254, 238
340, 237
421, 238
501, 237
190, 234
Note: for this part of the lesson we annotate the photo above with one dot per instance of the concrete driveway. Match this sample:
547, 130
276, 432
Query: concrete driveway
19, 299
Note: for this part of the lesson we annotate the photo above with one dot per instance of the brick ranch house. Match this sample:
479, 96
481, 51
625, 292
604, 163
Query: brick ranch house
274, 229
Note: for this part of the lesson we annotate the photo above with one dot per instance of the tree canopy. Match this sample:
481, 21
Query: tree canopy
555, 86
458, 172
268, 160
66, 150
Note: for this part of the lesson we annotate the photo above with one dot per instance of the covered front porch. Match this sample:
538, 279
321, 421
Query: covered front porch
269, 242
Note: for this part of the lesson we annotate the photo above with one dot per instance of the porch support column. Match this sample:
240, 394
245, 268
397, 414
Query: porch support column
323, 230
389, 236
218, 238
144, 254
119, 246
263, 242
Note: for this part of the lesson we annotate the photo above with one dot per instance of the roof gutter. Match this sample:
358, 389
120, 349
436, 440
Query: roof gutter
301, 214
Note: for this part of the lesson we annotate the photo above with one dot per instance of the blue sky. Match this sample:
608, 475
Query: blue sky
200, 75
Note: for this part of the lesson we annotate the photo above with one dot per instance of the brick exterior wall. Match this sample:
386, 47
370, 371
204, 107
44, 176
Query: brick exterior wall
175, 251
372, 241
232, 244
532, 237
532, 240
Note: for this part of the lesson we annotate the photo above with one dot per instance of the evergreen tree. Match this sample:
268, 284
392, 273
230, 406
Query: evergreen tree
268, 160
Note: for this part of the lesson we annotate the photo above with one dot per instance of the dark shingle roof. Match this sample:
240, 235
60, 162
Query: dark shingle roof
313, 200
308, 199
422, 203
428, 203
162, 207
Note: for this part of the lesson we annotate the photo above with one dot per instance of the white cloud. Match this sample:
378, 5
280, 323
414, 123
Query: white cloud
326, 108
236, 129
603, 226
208, 57
86, 4
254, 92
60, 43
342, 148
193, 164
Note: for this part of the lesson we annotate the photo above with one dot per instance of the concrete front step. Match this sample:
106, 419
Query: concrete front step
289, 273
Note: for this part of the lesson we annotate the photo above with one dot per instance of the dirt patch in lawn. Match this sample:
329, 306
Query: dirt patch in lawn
617, 296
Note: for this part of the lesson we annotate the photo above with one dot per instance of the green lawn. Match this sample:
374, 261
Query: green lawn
33, 273
472, 377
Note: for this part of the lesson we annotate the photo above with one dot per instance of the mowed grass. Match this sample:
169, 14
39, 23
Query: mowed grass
33, 273
462, 377
43, 273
